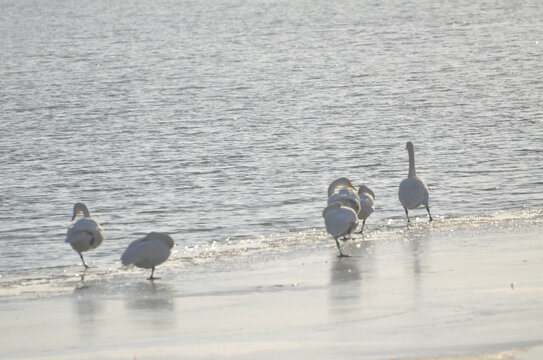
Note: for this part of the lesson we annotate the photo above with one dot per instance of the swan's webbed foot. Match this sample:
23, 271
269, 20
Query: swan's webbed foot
152, 275
341, 254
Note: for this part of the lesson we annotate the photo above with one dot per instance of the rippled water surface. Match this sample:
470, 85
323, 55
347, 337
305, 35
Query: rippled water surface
226, 120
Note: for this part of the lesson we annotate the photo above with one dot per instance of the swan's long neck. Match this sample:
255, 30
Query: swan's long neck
86, 212
339, 182
412, 172
81, 208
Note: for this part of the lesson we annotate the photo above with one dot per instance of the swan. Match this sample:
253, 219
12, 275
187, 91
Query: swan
340, 221
148, 252
367, 200
85, 234
347, 195
413, 191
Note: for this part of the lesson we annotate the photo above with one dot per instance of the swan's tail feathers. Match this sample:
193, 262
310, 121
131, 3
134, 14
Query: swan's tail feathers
85, 234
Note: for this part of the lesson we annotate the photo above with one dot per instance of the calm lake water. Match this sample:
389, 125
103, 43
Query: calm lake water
224, 121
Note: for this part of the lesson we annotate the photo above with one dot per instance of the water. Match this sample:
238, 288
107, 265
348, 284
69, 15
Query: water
223, 122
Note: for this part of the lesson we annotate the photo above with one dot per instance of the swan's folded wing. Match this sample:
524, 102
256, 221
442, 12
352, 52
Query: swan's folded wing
146, 253
413, 192
348, 197
165, 238
85, 228
366, 206
340, 221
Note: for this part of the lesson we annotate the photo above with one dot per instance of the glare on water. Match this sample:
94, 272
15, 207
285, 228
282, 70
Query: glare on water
228, 120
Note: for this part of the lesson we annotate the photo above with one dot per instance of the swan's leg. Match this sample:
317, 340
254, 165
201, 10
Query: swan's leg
428, 209
363, 223
152, 273
407, 214
339, 248
84, 263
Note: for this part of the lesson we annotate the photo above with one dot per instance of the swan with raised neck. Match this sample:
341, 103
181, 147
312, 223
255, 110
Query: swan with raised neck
413, 192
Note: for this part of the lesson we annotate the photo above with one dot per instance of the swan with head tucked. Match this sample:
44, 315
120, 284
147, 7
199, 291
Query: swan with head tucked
367, 202
85, 234
148, 252
340, 220
342, 190
413, 191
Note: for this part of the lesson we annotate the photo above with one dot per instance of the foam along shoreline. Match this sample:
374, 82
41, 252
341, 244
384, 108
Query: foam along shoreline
466, 291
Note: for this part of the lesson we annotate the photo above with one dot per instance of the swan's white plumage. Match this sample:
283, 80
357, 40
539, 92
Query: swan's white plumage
340, 220
413, 191
343, 191
149, 251
367, 204
347, 197
85, 234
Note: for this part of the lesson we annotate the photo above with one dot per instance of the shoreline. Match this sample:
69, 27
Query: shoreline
431, 291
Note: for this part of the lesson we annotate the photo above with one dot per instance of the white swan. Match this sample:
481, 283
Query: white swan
85, 234
367, 203
148, 252
347, 195
340, 221
413, 191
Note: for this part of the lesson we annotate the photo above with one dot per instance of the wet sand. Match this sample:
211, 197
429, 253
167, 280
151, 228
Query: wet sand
428, 292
